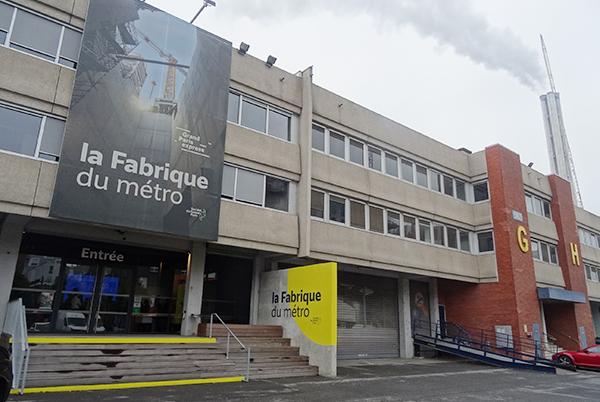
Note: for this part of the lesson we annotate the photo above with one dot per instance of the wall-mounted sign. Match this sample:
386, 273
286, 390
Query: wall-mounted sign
144, 141
518, 216
522, 239
303, 301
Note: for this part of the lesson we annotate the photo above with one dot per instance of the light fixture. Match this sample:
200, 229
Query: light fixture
243, 48
271, 60
530, 164
207, 3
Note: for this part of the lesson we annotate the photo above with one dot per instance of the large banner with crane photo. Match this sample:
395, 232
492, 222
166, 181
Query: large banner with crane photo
144, 141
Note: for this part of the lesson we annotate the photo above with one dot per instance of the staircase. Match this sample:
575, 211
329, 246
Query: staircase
272, 356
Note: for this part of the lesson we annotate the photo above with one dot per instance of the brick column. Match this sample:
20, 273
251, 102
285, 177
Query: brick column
568, 318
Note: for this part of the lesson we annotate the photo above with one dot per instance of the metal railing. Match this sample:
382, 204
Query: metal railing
15, 325
229, 335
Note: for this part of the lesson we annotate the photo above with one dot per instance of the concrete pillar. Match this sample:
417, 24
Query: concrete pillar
407, 349
434, 311
257, 268
192, 302
304, 185
11, 232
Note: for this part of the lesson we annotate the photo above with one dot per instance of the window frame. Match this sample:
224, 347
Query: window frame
363, 146
368, 160
493, 242
364, 209
324, 150
487, 185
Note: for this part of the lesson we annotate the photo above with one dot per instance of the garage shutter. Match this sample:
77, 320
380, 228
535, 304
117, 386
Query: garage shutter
367, 316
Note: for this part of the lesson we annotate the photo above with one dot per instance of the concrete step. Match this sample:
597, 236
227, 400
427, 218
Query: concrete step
255, 331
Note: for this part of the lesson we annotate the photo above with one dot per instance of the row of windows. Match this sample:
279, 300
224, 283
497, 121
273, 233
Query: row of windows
592, 273
259, 116
538, 206
29, 133
589, 238
544, 251
355, 151
356, 214
255, 188
31, 33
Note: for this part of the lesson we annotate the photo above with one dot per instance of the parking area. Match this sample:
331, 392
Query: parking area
377, 380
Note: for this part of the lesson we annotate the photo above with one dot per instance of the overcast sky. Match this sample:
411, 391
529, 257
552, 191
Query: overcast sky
465, 72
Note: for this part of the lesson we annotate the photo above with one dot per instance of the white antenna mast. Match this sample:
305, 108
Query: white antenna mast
547, 61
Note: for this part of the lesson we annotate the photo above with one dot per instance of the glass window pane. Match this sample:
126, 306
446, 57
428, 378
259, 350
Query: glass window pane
435, 181
374, 158
337, 146
317, 204
461, 192
529, 203
553, 255
485, 241
545, 254
254, 116
438, 234
70, 44
480, 191
357, 215
52, 136
393, 223
276, 194
422, 176
36, 32
37, 272
547, 213
337, 209
19, 131
318, 138
424, 231
449, 186
406, 168
250, 187
537, 206
535, 250
588, 272
2, 36
233, 107
452, 237
227, 190
357, 152
376, 219
409, 227
391, 165
279, 125
6, 13
465, 243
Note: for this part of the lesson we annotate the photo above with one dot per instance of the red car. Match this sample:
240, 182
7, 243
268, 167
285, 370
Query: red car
588, 357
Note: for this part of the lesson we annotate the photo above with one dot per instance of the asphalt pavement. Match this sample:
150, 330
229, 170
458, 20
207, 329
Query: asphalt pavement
376, 380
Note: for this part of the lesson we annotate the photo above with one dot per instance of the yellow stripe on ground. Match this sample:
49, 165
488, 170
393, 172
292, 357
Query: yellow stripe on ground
129, 385
99, 340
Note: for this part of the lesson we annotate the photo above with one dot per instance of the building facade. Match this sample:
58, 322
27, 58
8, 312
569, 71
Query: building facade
420, 231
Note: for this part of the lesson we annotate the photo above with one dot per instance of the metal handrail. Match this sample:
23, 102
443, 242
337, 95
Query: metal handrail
229, 335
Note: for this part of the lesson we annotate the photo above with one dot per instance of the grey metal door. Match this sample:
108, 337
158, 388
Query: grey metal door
367, 316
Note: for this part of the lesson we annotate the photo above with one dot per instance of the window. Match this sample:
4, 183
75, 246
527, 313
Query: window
318, 138
407, 170
376, 219
452, 234
592, 273
535, 250
374, 158
537, 206
465, 242
39, 36
438, 234
424, 231
254, 116
21, 129
485, 241
357, 152
422, 176
480, 191
529, 203
588, 272
461, 192
546, 207
410, 224
553, 254
228, 188
317, 204
233, 108
393, 223
357, 214
391, 165
250, 187
337, 209
337, 146
449, 186
545, 254
435, 181
279, 125
276, 194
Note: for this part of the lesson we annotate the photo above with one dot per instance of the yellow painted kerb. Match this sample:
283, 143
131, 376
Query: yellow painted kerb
100, 340
129, 385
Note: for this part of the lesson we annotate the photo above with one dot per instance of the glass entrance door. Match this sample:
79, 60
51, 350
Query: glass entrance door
113, 300
77, 298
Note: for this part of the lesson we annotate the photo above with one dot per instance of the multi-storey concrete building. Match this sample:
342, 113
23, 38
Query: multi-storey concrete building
420, 230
